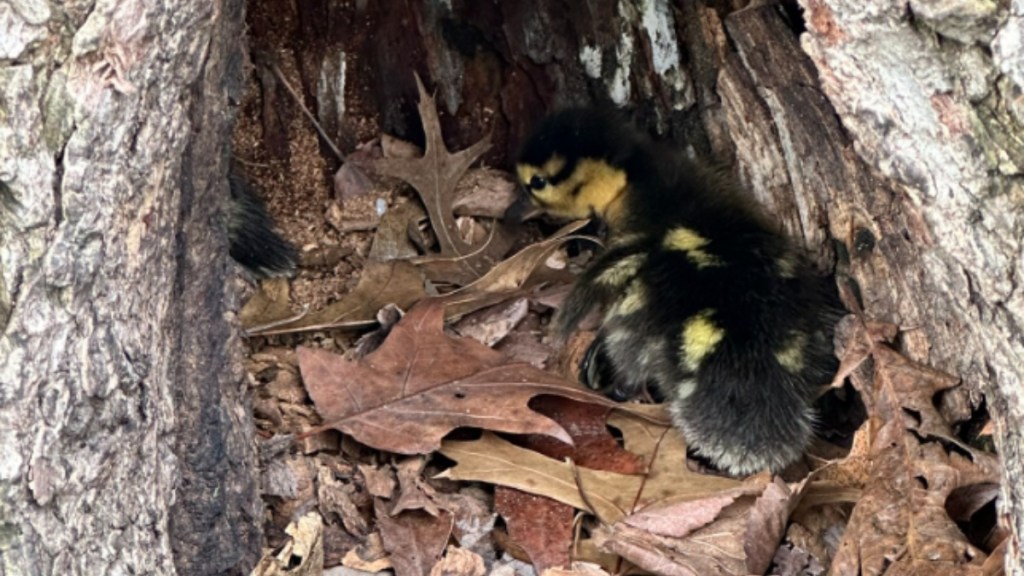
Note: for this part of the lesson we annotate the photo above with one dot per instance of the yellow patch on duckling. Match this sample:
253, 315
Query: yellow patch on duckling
700, 337
791, 355
618, 274
692, 243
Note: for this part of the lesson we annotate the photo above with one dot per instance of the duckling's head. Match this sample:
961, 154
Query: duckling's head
573, 166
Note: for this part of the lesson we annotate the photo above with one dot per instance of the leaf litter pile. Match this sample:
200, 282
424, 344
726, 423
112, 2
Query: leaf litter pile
424, 423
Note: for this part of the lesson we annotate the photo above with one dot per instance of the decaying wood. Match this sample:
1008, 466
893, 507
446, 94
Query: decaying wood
125, 446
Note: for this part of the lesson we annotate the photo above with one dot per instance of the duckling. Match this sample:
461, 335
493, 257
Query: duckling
253, 241
701, 297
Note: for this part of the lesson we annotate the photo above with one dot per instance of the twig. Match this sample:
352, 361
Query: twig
298, 100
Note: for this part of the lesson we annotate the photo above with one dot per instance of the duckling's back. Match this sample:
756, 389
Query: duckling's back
704, 300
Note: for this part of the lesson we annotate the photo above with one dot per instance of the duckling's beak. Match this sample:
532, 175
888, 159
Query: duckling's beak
522, 210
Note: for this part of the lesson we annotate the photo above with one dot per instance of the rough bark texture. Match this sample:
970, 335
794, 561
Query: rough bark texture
930, 95
886, 135
124, 445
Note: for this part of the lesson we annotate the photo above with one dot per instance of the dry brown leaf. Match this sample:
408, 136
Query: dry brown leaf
459, 562
510, 277
335, 496
268, 305
496, 461
731, 533
493, 324
370, 557
901, 524
414, 540
303, 555
474, 518
421, 384
577, 569
394, 282
391, 241
379, 481
435, 176
484, 192
415, 493
539, 525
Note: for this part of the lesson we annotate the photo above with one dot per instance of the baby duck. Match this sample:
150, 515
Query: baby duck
701, 296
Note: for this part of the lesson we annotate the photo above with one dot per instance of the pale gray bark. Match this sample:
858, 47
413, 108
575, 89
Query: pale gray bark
930, 94
124, 447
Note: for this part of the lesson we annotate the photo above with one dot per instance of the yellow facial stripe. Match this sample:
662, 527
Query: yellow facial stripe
700, 337
593, 187
550, 169
791, 356
622, 271
634, 299
692, 243
553, 166
526, 172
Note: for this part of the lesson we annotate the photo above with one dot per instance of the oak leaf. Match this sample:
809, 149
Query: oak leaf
435, 176
610, 495
421, 384
915, 465
393, 282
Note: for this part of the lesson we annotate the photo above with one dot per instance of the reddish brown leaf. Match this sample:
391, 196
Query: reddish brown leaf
539, 525
415, 539
421, 384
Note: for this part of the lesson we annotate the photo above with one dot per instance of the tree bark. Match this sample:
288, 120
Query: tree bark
125, 446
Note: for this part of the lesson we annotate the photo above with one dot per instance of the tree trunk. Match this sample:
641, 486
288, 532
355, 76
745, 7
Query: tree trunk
126, 446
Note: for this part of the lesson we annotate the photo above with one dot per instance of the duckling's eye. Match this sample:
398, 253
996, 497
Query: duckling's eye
538, 182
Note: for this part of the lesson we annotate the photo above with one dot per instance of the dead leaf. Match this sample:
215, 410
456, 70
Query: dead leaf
474, 519
540, 526
729, 533
393, 147
795, 561
414, 540
577, 569
351, 180
491, 325
484, 192
379, 482
421, 384
459, 562
268, 305
415, 493
510, 277
435, 176
391, 241
394, 282
303, 555
335, 497
370, 557
496, 461
901, 524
